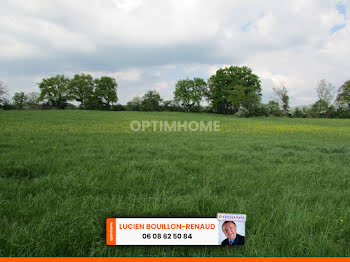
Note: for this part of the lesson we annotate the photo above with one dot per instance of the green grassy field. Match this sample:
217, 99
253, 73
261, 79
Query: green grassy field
62, 173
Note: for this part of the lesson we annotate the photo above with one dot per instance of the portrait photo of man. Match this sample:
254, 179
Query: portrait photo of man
229, 228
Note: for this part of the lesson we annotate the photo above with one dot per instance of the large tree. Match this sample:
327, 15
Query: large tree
151, 101
105, 91
54, 90
182, 93
81, 89
234, 88
189, 93
344, 94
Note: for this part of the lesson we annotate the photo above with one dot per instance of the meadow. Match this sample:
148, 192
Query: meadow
62, 173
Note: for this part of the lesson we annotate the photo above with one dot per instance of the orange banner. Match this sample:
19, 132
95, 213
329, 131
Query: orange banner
110, 230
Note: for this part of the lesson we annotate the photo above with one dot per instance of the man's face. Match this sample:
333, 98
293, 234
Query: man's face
229, 230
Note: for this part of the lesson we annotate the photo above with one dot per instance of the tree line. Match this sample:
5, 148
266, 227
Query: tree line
231, 90
56, 92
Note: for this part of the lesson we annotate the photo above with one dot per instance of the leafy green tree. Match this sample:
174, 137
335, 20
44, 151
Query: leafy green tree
170, 105
54, 90
273, 108
199, 91
233, 88
320, 108
20, 100
343, 96
151, 101
81, 89
236, 96
118, 107
182, 93
332, 111
260, 110
298, 113
189, 93
281, 93
105, 92
240, 100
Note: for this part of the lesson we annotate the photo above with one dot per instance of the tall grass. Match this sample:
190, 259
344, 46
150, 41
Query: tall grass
62, 173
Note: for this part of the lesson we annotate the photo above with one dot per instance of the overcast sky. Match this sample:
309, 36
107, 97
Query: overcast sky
150, 44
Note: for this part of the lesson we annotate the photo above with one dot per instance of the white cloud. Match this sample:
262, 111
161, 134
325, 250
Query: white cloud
166, 89
134, 39
132, 75
161, 85
12, 48
192, 67
128, 5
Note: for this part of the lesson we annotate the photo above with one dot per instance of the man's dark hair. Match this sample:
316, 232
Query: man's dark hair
226, 222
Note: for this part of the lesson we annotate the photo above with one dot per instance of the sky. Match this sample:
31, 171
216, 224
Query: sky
151, 44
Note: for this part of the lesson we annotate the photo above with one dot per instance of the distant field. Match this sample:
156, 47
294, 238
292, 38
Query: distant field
62, 173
